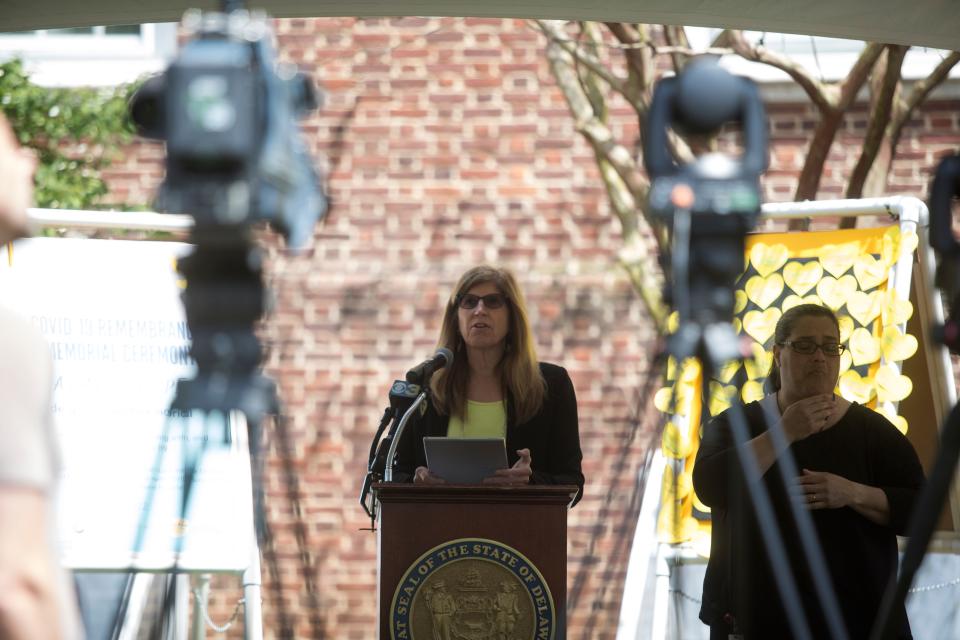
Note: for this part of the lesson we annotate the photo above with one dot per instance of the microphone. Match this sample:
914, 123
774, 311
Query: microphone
422, 372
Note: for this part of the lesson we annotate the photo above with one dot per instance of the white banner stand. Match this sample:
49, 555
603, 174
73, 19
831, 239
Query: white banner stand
111, 312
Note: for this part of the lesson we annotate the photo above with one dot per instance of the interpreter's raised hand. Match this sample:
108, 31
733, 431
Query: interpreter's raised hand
822, 490
423, 475
518, 474
812, 415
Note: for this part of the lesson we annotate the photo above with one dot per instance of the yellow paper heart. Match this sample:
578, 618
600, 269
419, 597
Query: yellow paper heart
793, 300
752, 391
802, 277
673, 322
676, 440
898, 421
737, 325
864, 347
739, 301
890, 245
838, 258
896, 346
846, 328
662, 399
855, 388
869, 271
759, 325
671, 368
720, 397
864, 307
676, 485
690, 371
835, 291
846, 360
764, 291
891, 386
768, 258
894, 310
727, 371
672, 528
896, 244
759, 365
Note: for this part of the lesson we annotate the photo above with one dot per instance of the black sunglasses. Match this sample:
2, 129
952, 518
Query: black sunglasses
490, 301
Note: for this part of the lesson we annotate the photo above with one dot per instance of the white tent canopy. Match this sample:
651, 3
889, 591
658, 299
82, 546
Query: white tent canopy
932, 23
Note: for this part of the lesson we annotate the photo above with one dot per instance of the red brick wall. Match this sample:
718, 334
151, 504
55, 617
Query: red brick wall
447, 145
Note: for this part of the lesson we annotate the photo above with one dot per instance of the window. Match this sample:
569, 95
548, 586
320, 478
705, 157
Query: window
92, 56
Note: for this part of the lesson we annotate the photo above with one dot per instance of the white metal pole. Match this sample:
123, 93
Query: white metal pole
252, 604
198, 630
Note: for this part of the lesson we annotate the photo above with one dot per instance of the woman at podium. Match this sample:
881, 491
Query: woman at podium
496, 388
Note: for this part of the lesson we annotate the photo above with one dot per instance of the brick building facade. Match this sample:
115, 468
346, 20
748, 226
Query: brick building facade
446, 145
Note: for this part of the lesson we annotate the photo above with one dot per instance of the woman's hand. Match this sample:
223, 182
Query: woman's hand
518, 474
812, 415
423, 475
822, 490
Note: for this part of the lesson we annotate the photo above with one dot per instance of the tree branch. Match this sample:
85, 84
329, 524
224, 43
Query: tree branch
879, 117
676, 37
920, 92
865, 63
818, 92
554, 33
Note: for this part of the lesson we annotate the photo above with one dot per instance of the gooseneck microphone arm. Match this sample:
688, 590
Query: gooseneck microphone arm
392, 453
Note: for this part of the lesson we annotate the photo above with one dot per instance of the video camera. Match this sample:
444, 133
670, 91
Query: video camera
945, 188
710, 204
228, 114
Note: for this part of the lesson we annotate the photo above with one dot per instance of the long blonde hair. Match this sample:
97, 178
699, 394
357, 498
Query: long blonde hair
519, 370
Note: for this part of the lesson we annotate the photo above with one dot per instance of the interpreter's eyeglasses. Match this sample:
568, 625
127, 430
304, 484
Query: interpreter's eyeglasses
490, 301
808, 347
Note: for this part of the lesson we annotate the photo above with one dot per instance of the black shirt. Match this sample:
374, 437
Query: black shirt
860, 555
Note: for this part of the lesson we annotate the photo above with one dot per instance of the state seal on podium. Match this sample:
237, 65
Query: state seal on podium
472, 589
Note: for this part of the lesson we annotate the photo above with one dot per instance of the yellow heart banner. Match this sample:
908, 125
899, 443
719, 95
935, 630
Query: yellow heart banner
896, 346
838, 258
764, 291
869, 271
835, 291
800, 277
855, 388
759, 325
891, 385
864, 347
864, 307
767, 259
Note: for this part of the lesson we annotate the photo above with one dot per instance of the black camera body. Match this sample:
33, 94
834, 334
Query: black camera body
709, 204
944, 190
228, 113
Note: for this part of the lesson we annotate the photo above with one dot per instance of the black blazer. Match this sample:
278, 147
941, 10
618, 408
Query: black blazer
552, 435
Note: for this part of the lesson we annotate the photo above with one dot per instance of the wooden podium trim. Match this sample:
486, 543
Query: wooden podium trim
541, 494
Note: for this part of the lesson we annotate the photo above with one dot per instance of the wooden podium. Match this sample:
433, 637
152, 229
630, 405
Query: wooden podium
471, 561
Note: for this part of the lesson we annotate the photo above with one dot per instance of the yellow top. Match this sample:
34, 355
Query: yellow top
484, 420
